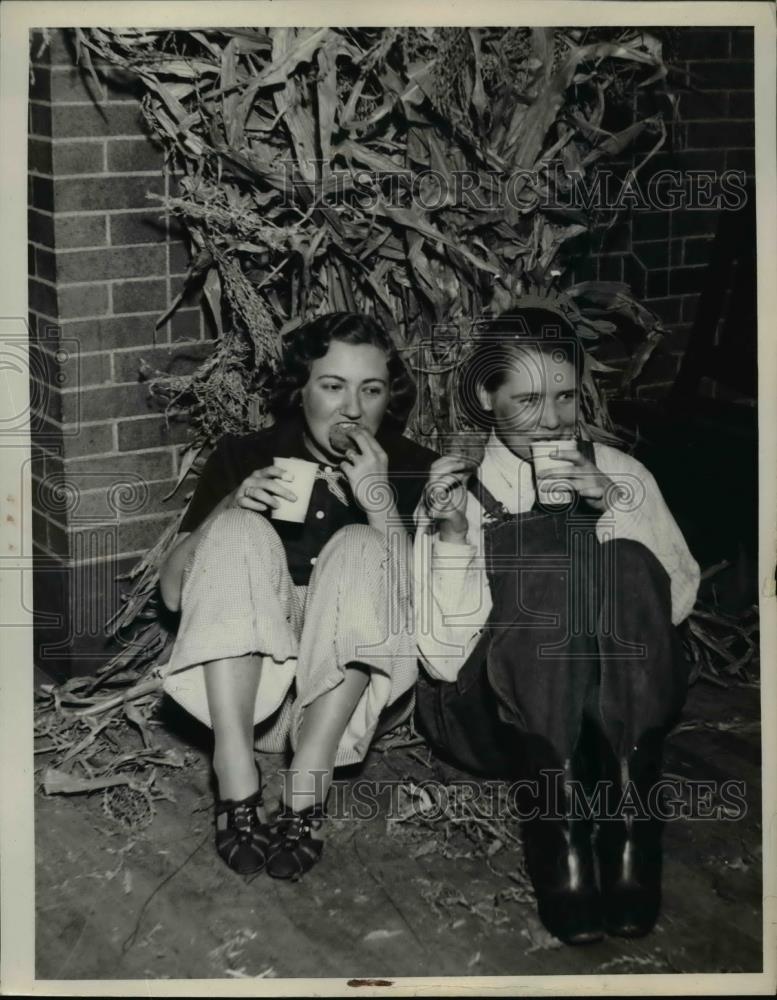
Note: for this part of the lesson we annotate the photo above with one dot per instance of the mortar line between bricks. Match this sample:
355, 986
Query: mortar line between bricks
69, 390
105, 175
104, 281
148, 482
111, 247
113, 454
101, 317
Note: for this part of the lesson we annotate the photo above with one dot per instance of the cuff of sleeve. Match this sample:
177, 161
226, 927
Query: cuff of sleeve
452, 549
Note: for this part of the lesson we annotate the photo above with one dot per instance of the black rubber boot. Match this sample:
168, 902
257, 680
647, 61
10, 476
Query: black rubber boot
628, 845
559, 853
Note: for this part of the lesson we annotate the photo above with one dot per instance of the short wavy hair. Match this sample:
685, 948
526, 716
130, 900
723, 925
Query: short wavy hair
499, 342
303, 346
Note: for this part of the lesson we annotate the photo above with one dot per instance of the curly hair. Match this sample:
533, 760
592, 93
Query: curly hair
497, 344
311, 341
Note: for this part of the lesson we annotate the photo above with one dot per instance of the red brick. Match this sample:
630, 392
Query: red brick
180, 258
80, 231
39, 84
98, 265
46, 404
741, 159
703, 43
146, 465
697, 250
657, 285
182, 359
76, 301
649, 225
668, 309
684, 280
45, 264
43, 298
688, 310
128, 228
73, 121
40, 227
40, 119
72, 84
741, 104
707, 159
610, 268
709, 76
43, 193
185, 325
134, 296
110, 504
39, 157
694, 223
151, 432
95, 193
56, 48
716, 134
87, 369
704, 104
90, 439
115, 331
140, 535
128, 155
78, 158
677, 338
113, 402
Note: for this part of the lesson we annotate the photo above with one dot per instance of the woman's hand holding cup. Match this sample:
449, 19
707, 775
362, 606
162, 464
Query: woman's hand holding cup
445, 495
263, 489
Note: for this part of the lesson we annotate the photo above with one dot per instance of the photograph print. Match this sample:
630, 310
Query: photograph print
394, 500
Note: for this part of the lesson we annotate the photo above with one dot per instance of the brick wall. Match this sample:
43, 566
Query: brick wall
662, 254
105, 262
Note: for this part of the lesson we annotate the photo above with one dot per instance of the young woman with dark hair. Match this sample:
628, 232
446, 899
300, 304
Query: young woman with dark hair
546, 603
300, 629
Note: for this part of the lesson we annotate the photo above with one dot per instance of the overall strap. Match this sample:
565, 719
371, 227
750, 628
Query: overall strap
487, 500
586, 449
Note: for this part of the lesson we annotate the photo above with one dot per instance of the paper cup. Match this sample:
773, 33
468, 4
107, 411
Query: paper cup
553, 490
302, 485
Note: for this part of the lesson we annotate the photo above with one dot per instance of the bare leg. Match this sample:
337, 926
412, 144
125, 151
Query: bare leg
231, 685
323, 724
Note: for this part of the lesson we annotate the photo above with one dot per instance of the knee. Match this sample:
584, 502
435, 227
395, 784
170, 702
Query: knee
239, 526
357, 542
636, 565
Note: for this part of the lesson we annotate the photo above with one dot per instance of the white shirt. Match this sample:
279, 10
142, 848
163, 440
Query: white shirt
452, 611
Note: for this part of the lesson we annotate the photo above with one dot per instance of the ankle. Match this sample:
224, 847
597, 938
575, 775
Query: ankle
236, 774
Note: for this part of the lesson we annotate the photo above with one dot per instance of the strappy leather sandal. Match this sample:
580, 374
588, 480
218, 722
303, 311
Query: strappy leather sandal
293, 851
244, 842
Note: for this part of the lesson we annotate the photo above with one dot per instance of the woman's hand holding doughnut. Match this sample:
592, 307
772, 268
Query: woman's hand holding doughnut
445, 495
366, 468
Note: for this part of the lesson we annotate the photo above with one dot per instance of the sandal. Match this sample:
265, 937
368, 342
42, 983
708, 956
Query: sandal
245, 841
293, 850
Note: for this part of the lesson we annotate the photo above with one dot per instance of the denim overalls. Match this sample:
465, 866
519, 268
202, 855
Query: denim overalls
575, 626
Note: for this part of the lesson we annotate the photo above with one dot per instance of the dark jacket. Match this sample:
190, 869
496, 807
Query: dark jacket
235, 457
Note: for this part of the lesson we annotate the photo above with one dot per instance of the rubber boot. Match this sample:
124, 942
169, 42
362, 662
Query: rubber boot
628, 842
558, 849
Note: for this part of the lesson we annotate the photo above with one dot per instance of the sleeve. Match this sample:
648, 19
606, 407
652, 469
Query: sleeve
641, 514
216, 480
452, 602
